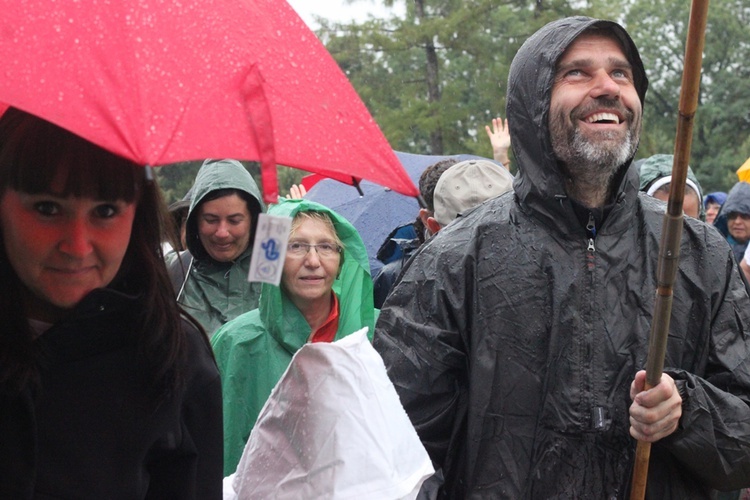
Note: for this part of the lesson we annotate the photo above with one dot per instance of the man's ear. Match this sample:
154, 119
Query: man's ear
432, 225
424, 214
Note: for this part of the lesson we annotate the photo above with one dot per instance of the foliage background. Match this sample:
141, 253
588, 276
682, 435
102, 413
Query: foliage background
434, 77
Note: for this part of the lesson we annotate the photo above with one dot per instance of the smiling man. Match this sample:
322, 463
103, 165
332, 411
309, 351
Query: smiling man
516, 337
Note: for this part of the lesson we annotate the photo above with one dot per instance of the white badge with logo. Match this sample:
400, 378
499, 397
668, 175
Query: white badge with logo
269, 249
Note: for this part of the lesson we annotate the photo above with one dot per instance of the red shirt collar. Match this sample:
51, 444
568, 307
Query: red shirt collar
327, 331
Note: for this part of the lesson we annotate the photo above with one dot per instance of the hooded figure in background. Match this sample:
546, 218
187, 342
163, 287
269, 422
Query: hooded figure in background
254, 350
656, 177
733, 220
210, 278
712, 203
518, 335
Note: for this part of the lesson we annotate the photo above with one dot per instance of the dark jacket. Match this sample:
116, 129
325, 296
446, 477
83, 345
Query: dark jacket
513, 338
393, 253
89, 431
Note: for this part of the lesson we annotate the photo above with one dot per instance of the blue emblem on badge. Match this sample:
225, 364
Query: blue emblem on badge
270, 249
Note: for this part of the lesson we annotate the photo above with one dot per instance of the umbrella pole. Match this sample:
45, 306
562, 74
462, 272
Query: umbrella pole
669, 250
355, 183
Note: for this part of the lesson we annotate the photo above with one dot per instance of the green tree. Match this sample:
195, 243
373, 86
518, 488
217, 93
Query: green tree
722, 122
434, 77
176, 179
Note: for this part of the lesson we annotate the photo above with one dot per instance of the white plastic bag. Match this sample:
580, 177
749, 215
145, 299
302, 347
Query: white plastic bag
333, 427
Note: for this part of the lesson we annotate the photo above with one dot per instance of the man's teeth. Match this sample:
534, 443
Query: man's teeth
603, 117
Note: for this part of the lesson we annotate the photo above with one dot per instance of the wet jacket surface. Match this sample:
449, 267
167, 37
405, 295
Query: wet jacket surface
513, 338
215, 292
254, 350
388, 274
89, 431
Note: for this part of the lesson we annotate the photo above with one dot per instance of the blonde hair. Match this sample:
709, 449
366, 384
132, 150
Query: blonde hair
321, 217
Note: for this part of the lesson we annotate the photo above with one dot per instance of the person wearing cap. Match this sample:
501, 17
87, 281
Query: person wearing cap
656, 179
516, 338
386, 277
712, 203
210, 277
464, 186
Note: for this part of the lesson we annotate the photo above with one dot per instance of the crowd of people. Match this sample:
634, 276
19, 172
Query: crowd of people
135, 356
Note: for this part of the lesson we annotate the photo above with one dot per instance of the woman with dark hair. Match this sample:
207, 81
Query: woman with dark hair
210, 278
107, 390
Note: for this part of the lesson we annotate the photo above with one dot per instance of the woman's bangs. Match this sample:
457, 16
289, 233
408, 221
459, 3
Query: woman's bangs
48, 154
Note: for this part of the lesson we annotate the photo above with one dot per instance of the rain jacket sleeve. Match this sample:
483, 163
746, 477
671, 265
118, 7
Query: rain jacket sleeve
713, 438
421, 335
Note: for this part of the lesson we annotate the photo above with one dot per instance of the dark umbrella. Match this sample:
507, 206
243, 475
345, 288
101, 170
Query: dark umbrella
378, 210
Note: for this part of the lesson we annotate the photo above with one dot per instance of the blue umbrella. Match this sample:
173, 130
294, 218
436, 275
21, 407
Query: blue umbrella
379, 210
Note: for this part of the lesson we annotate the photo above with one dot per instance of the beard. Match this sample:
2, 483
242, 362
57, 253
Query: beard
597, 157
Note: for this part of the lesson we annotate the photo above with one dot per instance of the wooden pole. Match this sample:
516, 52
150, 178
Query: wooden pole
669, 250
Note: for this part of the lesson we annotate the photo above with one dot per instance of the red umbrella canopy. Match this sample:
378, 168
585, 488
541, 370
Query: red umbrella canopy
161, 81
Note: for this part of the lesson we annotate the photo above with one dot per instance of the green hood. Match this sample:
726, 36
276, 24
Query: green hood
212, 176
353, 285
659, 166
253, 350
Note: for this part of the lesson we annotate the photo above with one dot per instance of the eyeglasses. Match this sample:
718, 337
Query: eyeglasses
300, 249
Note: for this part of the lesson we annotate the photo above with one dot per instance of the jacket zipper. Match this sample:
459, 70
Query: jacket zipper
598, 415
591, 232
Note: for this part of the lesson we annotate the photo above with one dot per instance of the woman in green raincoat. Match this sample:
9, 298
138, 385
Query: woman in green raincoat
325, 294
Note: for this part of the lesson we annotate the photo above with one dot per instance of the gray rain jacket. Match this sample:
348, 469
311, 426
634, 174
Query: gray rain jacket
513, 338
215, 292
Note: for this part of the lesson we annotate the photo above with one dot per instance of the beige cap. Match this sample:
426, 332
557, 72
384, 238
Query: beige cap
466, 185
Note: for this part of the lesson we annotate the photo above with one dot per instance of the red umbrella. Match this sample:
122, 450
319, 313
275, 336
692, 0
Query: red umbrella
161, 81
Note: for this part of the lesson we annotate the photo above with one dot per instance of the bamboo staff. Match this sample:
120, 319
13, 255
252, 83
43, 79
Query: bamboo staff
669, 250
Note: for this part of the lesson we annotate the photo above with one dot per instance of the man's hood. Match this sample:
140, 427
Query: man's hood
530, 82
212, 176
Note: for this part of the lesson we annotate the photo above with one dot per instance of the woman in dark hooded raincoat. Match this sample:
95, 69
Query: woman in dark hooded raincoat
514, 335
737, 204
